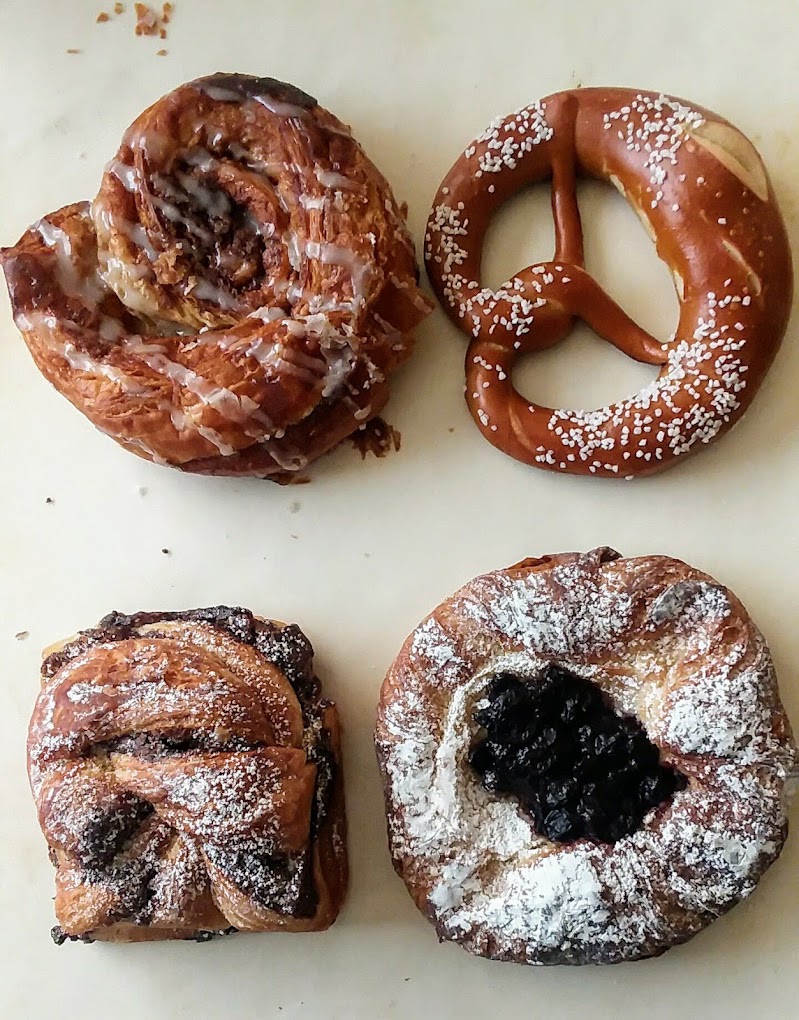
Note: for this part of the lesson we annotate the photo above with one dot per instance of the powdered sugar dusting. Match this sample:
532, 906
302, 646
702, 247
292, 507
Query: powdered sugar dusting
660, 640
177, 775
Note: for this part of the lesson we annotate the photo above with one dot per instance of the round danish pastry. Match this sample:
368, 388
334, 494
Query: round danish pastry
702, 193
585, 759
238, 293
187, 775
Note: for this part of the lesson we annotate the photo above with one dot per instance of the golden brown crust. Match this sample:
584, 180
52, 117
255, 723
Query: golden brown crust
238, 293
188, 779
667, 645
702, 193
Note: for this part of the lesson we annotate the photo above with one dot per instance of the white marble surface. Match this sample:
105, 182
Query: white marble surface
360, 555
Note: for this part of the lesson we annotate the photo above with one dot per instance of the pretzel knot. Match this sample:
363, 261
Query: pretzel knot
702, 193
183, 783
238, 293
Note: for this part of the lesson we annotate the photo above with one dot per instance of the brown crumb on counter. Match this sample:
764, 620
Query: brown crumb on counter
119, 8
102, 16
161, 53
73, 51
21, 635
377, 437
49, 500
149, 22
165, 551
146, 20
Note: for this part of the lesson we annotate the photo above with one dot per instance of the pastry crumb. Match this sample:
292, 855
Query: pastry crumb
150, 22
73, 51
119, 8
376, 437
161, 53
166, 552
101, 17
49, 501
295, 507
146, 20
21, 635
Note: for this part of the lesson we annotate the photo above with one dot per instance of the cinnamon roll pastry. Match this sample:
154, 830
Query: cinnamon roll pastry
239, 292
187, 776
585, 759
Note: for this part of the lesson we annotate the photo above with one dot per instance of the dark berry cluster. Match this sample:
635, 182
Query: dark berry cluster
578, 769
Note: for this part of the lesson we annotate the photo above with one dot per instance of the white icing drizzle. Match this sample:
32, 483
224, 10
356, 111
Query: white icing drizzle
359, 270
128, 175
288, 110
218, 92
220, 296
87, 287
234, 407
335, 181
210, 200
316, 202
701, 688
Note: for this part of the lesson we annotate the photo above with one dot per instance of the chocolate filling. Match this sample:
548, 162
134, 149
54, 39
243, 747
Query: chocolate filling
108, 829
277, 882
579, 770
150, 746
59, 936
207, 936
214, 235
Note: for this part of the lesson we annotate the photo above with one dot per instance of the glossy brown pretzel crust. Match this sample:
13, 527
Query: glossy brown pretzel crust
187, 775
703, 195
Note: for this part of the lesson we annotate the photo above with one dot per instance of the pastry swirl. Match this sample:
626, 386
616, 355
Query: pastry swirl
238, 293
663, 649
187, 775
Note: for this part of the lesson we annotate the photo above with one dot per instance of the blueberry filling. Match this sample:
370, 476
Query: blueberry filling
579, 770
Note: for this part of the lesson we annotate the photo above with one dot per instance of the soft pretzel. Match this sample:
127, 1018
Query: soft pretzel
187, 775
512, 724
238, 293
704, 197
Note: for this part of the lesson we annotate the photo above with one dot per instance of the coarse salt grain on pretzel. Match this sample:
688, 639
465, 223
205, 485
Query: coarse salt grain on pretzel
238, 293
703, 195
187, 775
585, 759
